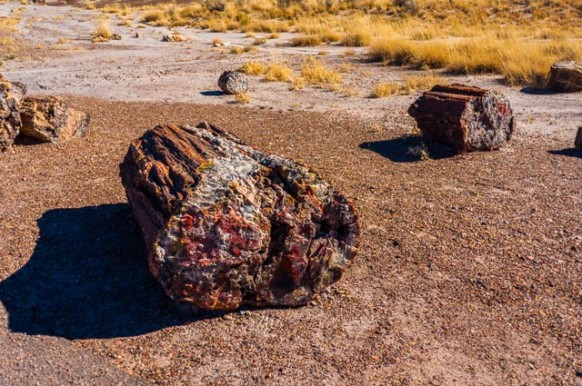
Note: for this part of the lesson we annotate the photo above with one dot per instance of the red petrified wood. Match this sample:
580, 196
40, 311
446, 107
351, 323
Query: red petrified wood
463, 117
578, 140
226, 224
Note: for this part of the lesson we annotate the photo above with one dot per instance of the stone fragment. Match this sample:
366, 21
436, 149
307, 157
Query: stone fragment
49, 119
565, 77
226, 224
115, 37
11, 94
464, 117
233, 82
578, 141
175, 37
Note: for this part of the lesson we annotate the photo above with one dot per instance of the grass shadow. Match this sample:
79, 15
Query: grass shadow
88, 278
401, 149
571, 152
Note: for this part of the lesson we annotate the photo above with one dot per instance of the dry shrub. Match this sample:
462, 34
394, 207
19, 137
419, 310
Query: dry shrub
242, 98
279, 72
102, 32
315, 72
421, 82
306, 41
385, 89
254, 68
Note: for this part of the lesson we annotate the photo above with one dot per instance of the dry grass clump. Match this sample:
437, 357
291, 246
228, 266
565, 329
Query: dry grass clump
242, 50
315, 72
385, 89
279, 72
168, 16
297, 84
421, 82
520, 61
242, 98
356, 39
254, 68
306, 41
101, 33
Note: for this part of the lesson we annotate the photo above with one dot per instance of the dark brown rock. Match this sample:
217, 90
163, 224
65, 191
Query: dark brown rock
49, 119
11, 94
463, 117
578, 140
233, 82
227, 225
565, 77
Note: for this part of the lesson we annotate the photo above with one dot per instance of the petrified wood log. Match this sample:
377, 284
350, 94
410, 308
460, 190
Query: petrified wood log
463, 117
578, 140
565, 77
49, 119
226, 224
233, 82
11, 94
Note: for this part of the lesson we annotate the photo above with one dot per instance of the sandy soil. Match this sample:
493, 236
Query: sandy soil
469, 271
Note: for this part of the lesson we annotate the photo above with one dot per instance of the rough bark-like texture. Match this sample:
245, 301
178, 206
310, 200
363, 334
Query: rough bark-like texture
233, 82
11, 94
226, 224
49, 119
578, 141
565, 77
463, 117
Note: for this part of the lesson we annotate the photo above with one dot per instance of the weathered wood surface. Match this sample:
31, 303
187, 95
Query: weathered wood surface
49, 119
463, 117
565, 77
11, 94
578, 140
227, 225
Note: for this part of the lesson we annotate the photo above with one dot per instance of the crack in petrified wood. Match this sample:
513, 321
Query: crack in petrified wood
226, 224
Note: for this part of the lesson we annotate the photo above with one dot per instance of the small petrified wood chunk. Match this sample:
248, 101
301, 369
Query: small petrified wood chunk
463, 117
226, 224
49, 119
565, 77
578, 140
11, 94
233, 82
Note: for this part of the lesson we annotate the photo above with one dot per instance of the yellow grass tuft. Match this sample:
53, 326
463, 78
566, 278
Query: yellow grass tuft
385, 89
101, 33
254, 68
421, 82
242, 98
306, 41
279, 72
314, 71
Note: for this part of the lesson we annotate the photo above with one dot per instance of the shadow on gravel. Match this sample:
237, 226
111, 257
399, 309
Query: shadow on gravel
537, 91
88, 278
212, 93
406, 149
572, 152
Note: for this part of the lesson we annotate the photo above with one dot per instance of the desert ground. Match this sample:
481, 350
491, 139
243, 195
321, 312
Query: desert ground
468, 273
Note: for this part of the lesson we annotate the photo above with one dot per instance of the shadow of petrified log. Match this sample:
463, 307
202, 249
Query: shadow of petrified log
87, 278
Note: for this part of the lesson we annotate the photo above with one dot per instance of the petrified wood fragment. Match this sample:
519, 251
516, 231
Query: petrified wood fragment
226, 224
11, 94
565, 77
233, 82
49, 119
463, 117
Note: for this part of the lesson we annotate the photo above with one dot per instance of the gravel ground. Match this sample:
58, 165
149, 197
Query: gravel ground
468, 273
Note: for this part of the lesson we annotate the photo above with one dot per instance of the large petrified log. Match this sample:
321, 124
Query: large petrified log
226, 224
10, 123
565, 77
49, 119
578, 140
463, 117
